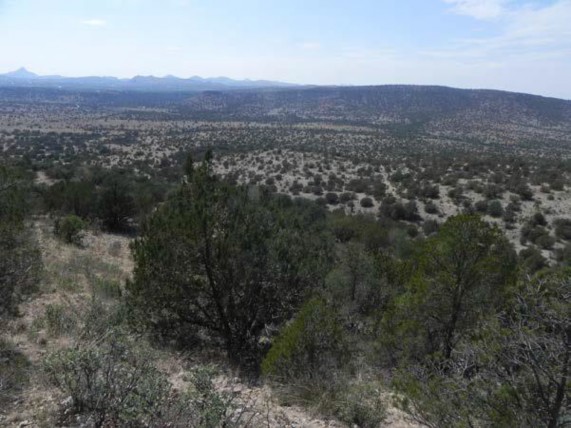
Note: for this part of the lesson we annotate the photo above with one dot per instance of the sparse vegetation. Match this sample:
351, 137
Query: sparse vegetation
70, 229
342, 259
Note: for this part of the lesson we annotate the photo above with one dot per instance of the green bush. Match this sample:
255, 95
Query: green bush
20, 266
430, 208
112, 381
462, 272
109, 381
532, 260
511, 372
563, 228
228, 260
367, 202
69, 229
332, 198
361, 405
545, 241
310, 349
495, 208
481, 206
116, 205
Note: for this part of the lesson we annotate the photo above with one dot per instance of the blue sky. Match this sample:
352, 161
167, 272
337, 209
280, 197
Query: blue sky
518, 45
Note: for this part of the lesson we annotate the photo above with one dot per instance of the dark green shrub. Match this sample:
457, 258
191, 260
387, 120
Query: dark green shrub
563, 228
20, 266
346, 197
462, 272
430, 191
509, 216
495, 208
481, 206
70, 229
525, 192
366, 202
558, 185
310, 349
493, 191
116, 205
545, 241
361, 405
317, 190
534, 234
379, 190
532, 260
332, 198
20, 258
538, 219
430, 208
227, 260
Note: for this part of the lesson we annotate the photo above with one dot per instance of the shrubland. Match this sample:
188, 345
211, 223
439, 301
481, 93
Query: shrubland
350, 266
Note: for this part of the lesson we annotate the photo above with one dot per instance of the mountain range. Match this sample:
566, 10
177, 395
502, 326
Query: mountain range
24, 78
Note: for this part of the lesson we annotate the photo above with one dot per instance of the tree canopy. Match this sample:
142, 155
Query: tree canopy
230, 260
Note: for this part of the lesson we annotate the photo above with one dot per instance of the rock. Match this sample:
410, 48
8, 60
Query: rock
23, 424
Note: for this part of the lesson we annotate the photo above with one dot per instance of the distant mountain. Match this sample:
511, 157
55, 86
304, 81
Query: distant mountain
20, 73
25, 78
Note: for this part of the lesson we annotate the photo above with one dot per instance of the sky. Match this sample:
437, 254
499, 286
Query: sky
515, 45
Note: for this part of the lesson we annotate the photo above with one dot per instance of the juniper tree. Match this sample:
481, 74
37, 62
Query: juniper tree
229, 260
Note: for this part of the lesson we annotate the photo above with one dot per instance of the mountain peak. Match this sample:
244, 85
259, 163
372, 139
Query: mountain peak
22, 73
23, 77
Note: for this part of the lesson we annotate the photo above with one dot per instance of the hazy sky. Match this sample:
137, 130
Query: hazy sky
517, 45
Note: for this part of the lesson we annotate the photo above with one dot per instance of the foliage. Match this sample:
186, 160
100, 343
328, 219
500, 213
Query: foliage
495, 208
310, 349
116, 205
361, 405
462, 273
563, 228
513, 372
229, 260
74, 197
69, 229
532, 260
20, 260
366, 202
112, 380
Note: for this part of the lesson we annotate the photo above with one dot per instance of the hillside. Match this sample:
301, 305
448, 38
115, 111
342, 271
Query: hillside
482, 116
412, 109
